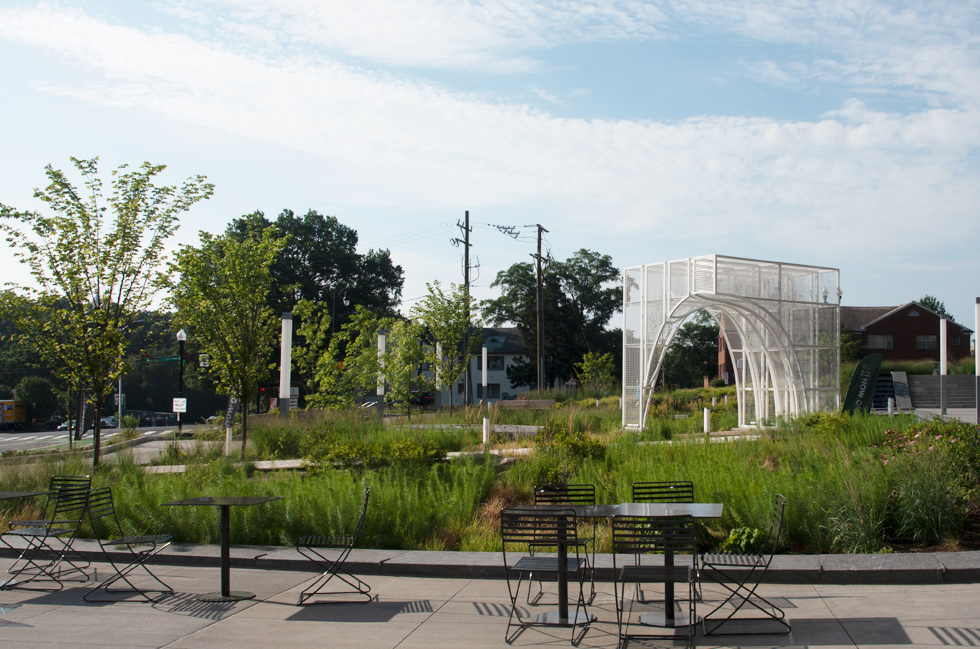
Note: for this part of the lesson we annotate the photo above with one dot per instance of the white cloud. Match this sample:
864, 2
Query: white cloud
431, 33
857, 176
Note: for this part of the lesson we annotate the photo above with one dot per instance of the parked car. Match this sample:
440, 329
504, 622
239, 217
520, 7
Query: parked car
110, 422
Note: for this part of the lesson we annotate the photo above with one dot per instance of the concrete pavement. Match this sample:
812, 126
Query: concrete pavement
432, 612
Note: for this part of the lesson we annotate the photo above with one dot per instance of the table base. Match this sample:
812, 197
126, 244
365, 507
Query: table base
232, 596
552, 618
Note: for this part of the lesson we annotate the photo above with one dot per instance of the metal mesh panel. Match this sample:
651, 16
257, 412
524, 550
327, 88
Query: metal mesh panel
781, 322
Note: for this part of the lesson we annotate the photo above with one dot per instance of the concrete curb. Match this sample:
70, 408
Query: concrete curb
849, 569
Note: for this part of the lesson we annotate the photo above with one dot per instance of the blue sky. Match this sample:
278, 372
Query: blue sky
838, 133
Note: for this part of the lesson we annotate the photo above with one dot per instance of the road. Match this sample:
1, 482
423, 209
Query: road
21, 441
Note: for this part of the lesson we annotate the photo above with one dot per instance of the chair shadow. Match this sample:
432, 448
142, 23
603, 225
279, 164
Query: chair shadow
367, 612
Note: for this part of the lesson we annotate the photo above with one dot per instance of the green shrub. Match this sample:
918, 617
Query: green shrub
276, 442
563, 451
957, 441
743, 539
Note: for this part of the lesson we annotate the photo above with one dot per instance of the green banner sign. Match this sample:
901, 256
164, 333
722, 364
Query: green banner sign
163, 359
861, 390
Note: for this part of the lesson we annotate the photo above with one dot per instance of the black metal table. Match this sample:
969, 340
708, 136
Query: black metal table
9, 495
225, 503
667, 619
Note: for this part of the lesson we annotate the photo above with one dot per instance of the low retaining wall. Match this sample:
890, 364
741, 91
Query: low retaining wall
533, 404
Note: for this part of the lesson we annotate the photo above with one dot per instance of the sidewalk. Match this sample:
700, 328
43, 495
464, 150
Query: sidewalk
450, 612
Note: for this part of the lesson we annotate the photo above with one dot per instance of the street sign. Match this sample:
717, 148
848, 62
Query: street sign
180, 404
204, 360
163, 359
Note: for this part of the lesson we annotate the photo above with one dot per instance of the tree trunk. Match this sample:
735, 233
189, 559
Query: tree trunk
97, 431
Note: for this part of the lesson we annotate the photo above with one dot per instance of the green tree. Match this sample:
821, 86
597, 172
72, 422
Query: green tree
350, 366
40, 395
401, 362
311, 349
18, 358
448, 318
934, 304
578, 305
222, 297
95, 263
596, 370
320, 263
693, 353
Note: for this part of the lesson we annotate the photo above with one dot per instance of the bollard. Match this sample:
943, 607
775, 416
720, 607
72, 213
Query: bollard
707, 420
714, 401
486, 434
891, 406
228, 432
726, 399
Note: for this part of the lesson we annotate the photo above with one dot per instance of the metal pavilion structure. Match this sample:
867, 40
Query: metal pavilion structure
780, 322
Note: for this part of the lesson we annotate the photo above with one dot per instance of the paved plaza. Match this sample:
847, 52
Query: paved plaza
430, 612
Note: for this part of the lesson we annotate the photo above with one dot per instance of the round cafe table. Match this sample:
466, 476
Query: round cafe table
225, 503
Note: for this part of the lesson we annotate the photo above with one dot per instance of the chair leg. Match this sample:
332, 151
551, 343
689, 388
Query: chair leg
39, 561
745, 595
332, 568
151, 595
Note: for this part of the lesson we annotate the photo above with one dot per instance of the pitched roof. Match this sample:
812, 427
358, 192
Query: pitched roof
857, 318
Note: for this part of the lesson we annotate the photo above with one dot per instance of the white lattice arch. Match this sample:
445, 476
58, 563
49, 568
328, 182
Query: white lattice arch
780, 321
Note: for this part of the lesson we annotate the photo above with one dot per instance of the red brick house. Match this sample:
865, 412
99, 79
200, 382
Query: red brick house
907, 332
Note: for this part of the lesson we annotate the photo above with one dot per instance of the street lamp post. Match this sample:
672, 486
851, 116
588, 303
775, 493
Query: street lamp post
333, 316
181, 337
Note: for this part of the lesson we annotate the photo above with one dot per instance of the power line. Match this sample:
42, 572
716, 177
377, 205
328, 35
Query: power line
439, 229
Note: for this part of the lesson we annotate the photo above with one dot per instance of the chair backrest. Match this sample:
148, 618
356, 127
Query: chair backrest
636, 535
70, 505
360, 522
67, 482
676, 491
564, 494
775, 529
537, 528
100, 506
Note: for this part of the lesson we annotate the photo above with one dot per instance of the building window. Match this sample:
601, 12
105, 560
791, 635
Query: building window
493, 391
913, 313
925, 342
954, 340
459, 388
879, 341
494, 363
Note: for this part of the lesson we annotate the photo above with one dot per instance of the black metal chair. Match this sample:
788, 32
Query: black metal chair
661, 550
56, 484
134, 550
313, 547
48, 544
568, 494
665, 491
525, 534
740, 574
674, 491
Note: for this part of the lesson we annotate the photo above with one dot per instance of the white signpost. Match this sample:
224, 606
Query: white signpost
180, 404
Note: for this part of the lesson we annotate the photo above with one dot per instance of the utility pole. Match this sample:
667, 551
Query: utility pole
465, 241
540, 298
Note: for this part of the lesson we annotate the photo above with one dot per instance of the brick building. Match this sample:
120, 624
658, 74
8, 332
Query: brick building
907, 332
